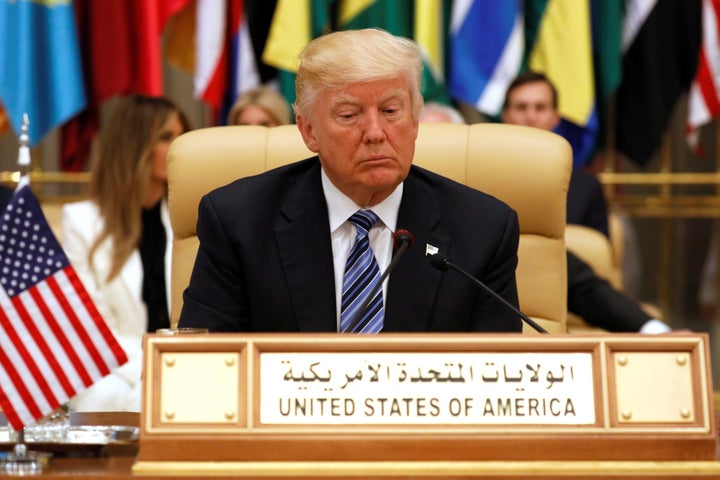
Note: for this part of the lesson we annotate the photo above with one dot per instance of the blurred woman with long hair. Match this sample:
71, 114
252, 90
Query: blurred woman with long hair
119, 239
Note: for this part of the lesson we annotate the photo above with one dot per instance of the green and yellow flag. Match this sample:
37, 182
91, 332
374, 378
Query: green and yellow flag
294, 24
421, 20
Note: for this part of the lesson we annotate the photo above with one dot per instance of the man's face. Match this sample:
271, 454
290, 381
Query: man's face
365, 137
531, 105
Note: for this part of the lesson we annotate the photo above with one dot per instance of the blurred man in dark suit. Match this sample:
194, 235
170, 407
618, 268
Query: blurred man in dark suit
532, 100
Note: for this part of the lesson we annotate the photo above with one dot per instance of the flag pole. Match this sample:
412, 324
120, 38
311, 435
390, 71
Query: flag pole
24, 152
21, 462
36, 407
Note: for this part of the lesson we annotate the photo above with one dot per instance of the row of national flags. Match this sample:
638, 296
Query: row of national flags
639, 55
492, 42
296, 22
642, 53
60, 60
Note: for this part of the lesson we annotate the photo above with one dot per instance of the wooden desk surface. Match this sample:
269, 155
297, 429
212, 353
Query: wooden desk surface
121, 468
116, 462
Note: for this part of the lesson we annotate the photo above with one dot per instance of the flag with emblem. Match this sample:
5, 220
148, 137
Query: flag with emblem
53, 341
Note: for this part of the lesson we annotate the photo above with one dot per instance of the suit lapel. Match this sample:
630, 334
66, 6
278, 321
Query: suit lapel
303, 238
414, 283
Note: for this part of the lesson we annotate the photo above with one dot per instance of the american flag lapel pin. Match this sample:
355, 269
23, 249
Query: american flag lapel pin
430, 250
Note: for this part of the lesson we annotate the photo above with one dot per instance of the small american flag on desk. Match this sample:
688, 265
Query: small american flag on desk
53, 341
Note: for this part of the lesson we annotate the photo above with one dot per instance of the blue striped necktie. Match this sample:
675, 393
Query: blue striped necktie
362, 275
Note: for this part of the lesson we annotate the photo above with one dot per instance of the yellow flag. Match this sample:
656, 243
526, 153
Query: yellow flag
350, 9
289, 33
428, 35
563, 51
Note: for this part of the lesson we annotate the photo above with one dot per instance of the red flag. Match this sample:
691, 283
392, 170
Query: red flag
704, 98
218, 26
122, 53
53, 340
4, 121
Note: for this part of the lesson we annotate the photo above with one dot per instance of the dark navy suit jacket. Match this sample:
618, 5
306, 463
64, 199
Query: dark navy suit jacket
586, 203
265, 258
598, 303
590, 296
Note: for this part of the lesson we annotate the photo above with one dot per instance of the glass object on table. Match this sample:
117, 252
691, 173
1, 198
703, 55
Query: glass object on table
181, 331
52, 428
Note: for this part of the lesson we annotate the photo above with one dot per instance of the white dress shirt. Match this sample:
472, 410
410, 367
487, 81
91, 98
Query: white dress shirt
343, 233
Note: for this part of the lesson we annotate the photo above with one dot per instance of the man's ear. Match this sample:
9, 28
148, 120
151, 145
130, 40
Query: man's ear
556, 112
307, 132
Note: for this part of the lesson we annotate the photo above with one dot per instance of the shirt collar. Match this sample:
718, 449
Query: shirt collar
341, 207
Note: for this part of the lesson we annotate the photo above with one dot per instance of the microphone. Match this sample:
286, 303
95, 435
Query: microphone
443, 263
403, 240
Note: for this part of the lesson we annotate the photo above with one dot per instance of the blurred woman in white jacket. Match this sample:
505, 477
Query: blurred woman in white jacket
119, 240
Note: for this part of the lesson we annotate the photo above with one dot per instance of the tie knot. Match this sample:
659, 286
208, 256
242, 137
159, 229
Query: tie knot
364, 219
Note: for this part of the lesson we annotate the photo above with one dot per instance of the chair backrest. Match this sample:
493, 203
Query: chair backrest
527, 168
616, 225
596, 249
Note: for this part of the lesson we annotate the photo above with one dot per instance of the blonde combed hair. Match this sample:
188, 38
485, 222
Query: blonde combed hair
120, 178
339, 59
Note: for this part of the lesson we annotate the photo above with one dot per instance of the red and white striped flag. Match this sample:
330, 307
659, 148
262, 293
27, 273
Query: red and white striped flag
216, 21
704, 98
225, 64
53, 341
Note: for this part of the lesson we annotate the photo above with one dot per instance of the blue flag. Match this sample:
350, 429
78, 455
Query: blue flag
40, 69
486, 48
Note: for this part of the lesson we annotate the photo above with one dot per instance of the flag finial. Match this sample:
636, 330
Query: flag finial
24, 128
24, 151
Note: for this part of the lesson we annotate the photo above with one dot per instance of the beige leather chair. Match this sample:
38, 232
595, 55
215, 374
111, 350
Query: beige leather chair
597, 251
527, 168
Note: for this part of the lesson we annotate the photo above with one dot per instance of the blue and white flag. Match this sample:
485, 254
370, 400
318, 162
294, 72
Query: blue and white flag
486, 48
40, 69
